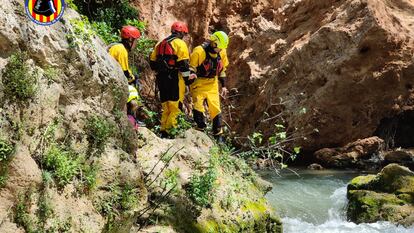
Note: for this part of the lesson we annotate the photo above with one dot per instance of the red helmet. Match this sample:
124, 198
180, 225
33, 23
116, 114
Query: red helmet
130, 32
179, 27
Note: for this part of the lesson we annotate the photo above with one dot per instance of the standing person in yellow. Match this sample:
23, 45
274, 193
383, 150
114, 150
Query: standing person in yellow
209, 62
170, 60
119, 51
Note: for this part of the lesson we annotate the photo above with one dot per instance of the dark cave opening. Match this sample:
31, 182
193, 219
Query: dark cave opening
397, 131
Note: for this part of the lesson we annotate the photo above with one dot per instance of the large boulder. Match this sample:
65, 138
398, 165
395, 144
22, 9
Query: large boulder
362, 153
401, 156
388, 196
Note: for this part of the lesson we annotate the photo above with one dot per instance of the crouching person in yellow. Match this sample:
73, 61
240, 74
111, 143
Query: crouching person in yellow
170, 60
209, 61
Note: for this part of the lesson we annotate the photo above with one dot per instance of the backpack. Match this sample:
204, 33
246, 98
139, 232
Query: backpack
211, 67
166, 57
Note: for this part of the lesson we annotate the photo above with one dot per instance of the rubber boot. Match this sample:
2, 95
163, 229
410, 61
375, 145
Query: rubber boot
217, 130
164, 134
217, 125
199, 119
44, 7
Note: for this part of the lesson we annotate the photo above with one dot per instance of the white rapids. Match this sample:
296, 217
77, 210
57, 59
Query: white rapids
315, 202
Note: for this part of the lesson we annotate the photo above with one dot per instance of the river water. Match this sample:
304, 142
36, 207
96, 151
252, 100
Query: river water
315, 201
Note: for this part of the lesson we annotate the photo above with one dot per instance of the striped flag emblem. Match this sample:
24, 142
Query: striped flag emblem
45, 12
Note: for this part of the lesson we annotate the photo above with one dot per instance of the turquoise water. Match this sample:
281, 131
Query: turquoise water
315, 202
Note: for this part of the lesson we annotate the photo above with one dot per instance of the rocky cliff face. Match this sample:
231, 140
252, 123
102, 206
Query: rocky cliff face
338, 66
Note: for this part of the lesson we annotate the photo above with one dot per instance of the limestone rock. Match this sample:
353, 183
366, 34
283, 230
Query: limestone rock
85, 76
238, 203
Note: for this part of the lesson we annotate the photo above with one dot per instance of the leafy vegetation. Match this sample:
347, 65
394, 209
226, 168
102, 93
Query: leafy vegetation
145, 46
107, 17
39, 221
6, 152
273, 149
19, 81
152, 121
182, 126
201, 185
121, 199
98, 130
81, 33
170, 181
64, 165
88, 178
51, 74
22, 216
114, 12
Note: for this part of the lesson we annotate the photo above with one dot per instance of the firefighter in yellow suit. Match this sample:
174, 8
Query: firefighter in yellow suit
119, 51
170, 61
209, 62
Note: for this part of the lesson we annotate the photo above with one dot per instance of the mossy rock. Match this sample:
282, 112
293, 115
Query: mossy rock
392, 179
369, 206
396, 179
361, 182
254, 217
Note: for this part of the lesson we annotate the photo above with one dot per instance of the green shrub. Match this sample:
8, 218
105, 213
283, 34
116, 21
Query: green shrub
81, 33
21, 214
98, 130
45, 209
72, 4
145, 46
51, 74
62, 164
6, 150
129, 199
200, 188
20, 83
121, 199
44, 219
171, 181
89, 173
273, 148
106, 32
115, 15
182, 126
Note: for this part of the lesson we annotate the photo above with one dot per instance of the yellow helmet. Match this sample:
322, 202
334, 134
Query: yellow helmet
221, 39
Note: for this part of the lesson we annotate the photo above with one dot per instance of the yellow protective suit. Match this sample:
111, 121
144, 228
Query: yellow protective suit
120, 53
207, 88
170, 82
